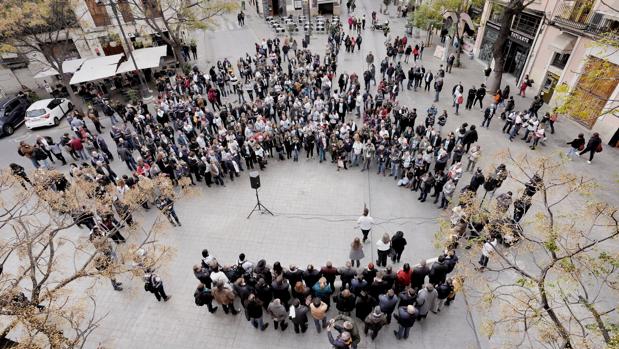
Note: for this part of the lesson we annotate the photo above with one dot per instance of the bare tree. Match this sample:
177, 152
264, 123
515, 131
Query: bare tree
47, 268
552, 284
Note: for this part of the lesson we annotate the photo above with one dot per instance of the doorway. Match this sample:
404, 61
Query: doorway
516, 58
275, 8
325, 9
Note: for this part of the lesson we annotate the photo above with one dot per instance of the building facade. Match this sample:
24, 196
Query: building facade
299, 7
556, 42
98, 34
524, 30
576, 40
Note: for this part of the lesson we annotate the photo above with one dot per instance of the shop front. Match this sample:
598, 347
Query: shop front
517, 49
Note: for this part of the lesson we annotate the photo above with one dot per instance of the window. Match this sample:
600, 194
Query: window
559, 60
125, 10
63, 50
152, 9
497, 13
98, 12
526, 23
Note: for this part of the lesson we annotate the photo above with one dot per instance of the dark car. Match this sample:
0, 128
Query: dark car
12, 113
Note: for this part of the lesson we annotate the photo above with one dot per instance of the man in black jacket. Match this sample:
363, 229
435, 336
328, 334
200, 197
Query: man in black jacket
438, 272
470, 97
202, 296
479, 96
418, 277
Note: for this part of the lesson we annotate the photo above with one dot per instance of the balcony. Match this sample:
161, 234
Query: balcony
575, 16
580, 19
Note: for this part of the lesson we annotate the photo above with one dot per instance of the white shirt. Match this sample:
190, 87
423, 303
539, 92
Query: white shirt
488, 248
381, 246
365, 222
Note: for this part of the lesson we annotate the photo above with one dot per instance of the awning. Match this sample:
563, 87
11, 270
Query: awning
68, 67
145, 58
97, 68
563, 43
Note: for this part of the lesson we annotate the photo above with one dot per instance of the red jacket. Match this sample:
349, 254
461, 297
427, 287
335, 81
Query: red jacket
76, 144
403, 277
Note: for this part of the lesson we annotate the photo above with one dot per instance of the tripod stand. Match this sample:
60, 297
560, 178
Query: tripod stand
260, 207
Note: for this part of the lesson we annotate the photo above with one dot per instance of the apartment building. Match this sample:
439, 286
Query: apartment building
556, 42
576, 39
98, 34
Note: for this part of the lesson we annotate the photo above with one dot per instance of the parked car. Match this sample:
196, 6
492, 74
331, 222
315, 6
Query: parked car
47, 112
12, 113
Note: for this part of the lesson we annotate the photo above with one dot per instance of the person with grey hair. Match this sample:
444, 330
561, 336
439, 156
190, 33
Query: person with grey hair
374, 322
426, 299
278, 313
406, 317
347, 326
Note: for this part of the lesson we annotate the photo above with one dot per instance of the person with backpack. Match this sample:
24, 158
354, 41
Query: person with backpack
526, 82
593, 146
154, 284
203, 296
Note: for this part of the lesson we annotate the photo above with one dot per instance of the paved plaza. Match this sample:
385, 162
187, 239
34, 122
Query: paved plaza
315, 210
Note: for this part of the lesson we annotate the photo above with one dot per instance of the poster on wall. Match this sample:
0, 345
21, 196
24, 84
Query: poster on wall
298, 4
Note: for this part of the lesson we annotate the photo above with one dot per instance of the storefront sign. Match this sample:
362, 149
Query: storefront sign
520, 38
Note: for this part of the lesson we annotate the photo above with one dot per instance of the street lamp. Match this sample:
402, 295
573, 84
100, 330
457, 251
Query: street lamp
145, 92
309, 23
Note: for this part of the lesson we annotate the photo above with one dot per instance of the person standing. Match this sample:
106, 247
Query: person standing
526, 82
479, 96
593, 146
426, 299
397, 244
253, 307
365, 223
154, 284
224, 296
356, 252
486, 251
474, 156
387, 303
444, 290
298, 316
406, 317
383, 246
278, 313
374, 322
318, 310
203, 296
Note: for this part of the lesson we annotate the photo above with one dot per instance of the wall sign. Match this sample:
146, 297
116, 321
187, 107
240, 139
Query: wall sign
520, 37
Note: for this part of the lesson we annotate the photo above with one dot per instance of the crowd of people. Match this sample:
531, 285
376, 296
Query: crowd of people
284, 102
374, 296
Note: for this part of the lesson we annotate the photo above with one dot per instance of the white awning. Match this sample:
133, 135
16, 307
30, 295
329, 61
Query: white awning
563, 43
97, 68
145, 58
68, 67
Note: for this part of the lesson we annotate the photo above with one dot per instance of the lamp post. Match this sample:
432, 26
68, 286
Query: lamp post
309, 23
145, 92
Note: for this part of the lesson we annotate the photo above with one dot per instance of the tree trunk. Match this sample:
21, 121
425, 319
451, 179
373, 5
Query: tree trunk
429, 35
553, 316
498, 50
76, 100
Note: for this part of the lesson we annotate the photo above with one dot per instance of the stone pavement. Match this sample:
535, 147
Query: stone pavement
315, 211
